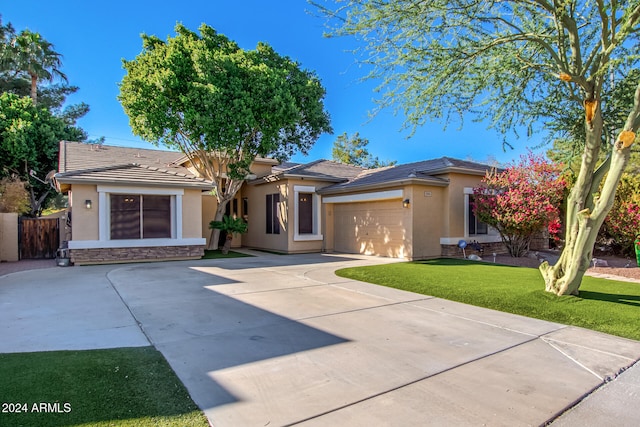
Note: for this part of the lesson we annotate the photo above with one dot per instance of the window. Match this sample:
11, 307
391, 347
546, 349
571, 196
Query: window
273, 223
135, 216
475, 225
305, 213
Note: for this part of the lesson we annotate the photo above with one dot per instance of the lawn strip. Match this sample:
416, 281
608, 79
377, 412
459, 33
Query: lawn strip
603, 305
115, 387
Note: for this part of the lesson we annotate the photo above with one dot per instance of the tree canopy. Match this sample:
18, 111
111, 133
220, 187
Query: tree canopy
222, 105
513, 63
29, 138
352, 150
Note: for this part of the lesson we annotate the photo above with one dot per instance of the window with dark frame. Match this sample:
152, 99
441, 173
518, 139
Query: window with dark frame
305, 213
135, 216
475, 225
273, 224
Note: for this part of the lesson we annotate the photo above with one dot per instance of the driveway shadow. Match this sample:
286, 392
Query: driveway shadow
201, 331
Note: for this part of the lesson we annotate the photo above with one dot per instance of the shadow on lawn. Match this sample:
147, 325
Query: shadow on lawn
614, 298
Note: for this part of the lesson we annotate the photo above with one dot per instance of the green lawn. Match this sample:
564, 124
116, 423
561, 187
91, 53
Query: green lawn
118, 387
209, 254
603, 305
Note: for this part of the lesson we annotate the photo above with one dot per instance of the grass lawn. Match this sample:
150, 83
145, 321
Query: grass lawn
603, 305
116, 387
209, 254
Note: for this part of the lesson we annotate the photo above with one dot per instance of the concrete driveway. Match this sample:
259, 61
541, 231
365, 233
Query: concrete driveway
280, 340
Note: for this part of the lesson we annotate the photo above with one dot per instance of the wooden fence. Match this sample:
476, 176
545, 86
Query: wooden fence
39, 237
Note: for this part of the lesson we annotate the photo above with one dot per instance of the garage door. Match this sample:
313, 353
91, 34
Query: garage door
370, 228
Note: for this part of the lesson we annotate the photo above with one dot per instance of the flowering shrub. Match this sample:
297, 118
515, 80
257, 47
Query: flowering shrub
622, 225
521, 201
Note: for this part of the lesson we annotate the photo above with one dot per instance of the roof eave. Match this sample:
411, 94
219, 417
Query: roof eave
281, 176
387, 184
455, 169
137, 183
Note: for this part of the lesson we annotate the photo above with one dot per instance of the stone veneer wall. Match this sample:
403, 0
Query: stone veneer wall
152, 253
540, 241
489, 248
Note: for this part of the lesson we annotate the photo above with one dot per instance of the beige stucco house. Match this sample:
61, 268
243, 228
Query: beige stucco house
131, 204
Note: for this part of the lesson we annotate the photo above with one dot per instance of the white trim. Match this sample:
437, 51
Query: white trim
466, 213
104, 207
140, 190
176, 210
134, 243
307, 237
468, 190
317, 202
365, 197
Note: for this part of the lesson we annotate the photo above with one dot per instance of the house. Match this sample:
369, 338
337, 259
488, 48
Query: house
129, 204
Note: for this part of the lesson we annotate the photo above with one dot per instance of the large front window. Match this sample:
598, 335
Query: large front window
135, 216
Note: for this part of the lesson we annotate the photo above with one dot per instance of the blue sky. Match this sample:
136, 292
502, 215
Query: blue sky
94, 37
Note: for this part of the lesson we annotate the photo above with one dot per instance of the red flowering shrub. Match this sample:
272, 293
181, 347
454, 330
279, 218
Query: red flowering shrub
622, 225
521, 201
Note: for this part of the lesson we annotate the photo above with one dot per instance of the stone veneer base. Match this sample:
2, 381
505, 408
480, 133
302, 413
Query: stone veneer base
489, 248
135, 254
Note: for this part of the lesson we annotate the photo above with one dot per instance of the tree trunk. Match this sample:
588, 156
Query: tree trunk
34, 88
215, 232
517, 246
227, 243
586, 212
231, 188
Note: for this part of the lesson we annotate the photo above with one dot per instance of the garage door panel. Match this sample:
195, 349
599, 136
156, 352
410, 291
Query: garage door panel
372, 228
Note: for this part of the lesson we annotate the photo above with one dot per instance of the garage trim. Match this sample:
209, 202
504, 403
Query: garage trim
365, 197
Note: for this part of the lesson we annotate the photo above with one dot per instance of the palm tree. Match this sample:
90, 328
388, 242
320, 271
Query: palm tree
33, 55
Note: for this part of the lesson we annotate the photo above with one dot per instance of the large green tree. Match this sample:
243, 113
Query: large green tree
29, 138
511, 62
221, 105
352, 150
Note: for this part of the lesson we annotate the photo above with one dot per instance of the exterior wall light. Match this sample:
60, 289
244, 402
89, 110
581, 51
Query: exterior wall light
405, 203
87, 204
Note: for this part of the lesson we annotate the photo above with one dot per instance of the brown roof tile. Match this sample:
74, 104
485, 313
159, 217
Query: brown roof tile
427, 171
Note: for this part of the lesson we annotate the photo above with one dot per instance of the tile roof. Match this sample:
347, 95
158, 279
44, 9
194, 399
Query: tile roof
285, 165
323, 170
78, 156
132, 174
426, 171
91, 163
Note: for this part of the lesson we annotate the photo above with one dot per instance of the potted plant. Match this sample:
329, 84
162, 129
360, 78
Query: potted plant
230, 225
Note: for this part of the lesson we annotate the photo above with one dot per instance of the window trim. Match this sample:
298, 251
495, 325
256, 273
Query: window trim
468, 192
316, 212
104, 211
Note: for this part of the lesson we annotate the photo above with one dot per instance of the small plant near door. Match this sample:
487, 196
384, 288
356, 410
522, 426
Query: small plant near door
230, 225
